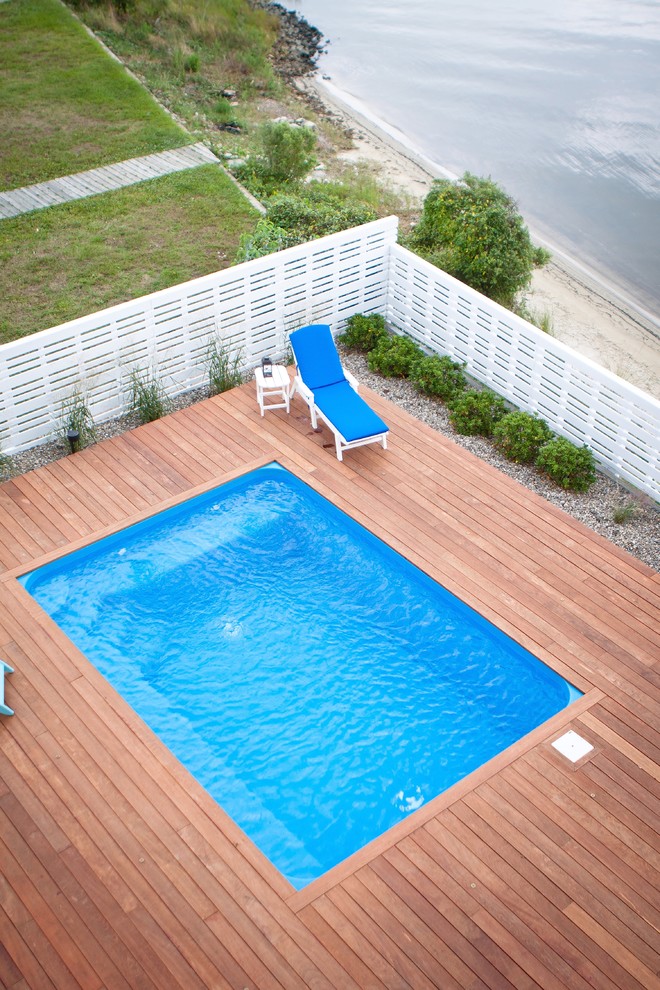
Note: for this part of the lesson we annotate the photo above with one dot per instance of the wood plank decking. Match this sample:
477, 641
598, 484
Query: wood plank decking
119, 871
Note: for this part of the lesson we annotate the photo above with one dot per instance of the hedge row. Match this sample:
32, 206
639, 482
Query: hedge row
520, 436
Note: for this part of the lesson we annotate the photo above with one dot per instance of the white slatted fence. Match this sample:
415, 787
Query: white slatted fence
576, 397
251, 307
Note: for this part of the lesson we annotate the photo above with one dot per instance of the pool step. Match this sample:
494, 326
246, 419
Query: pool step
4, 669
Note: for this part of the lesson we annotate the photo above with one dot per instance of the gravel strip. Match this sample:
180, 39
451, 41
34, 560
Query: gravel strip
640, 536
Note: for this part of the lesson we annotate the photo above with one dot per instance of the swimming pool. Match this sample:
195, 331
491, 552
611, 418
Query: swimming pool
319, 686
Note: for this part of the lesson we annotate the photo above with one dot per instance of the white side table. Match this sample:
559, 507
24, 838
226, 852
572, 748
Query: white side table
275, 387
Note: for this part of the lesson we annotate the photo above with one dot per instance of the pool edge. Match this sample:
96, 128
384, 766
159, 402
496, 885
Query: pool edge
541, 734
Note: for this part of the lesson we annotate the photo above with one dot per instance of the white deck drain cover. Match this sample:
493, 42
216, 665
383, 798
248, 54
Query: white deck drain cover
572, 746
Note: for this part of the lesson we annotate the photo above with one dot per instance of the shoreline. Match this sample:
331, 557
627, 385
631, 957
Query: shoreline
585, 313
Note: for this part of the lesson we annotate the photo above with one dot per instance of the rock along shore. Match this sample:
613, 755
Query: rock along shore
299, 43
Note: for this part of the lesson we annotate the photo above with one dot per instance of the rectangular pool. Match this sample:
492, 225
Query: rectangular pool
316, 683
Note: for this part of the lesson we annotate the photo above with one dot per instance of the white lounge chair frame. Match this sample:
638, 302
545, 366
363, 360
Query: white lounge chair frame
341, 443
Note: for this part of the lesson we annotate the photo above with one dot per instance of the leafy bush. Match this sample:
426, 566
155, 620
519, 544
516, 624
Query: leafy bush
474, 231
439, 377
148, 398
76, 416
266, 238
285, 158
288, 150
363, 331
393, 356
568, 466
520, 436
316, 212
293, 218
224, 370
475, 413
222, 111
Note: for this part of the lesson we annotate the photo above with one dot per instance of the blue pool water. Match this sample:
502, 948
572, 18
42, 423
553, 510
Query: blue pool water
319, 686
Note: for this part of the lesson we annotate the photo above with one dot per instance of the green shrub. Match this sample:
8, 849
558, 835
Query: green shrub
314, 213
266, 238
287, 151
148, 398
76, 415
472, 229
363, 332
475, 413
568, 466
293, 218
223, 112
393, 356
438, 376
286, 158
520, 436
224, 370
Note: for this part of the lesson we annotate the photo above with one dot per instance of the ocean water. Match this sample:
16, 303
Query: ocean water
558, 102
319, 686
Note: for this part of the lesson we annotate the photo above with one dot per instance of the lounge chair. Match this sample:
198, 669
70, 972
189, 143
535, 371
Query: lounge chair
332, 393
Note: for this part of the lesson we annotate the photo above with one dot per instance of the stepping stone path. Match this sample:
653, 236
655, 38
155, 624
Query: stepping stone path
100, 180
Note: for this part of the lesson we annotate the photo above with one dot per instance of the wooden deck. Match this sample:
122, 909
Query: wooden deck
118, 870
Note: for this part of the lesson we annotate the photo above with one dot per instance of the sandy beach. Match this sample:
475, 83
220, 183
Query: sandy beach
584, 314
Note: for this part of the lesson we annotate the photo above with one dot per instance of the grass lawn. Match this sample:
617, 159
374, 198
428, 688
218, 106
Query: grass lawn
83, 256
66, 105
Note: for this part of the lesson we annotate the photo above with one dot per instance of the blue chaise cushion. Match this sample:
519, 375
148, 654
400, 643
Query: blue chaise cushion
348, 412
316, 356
